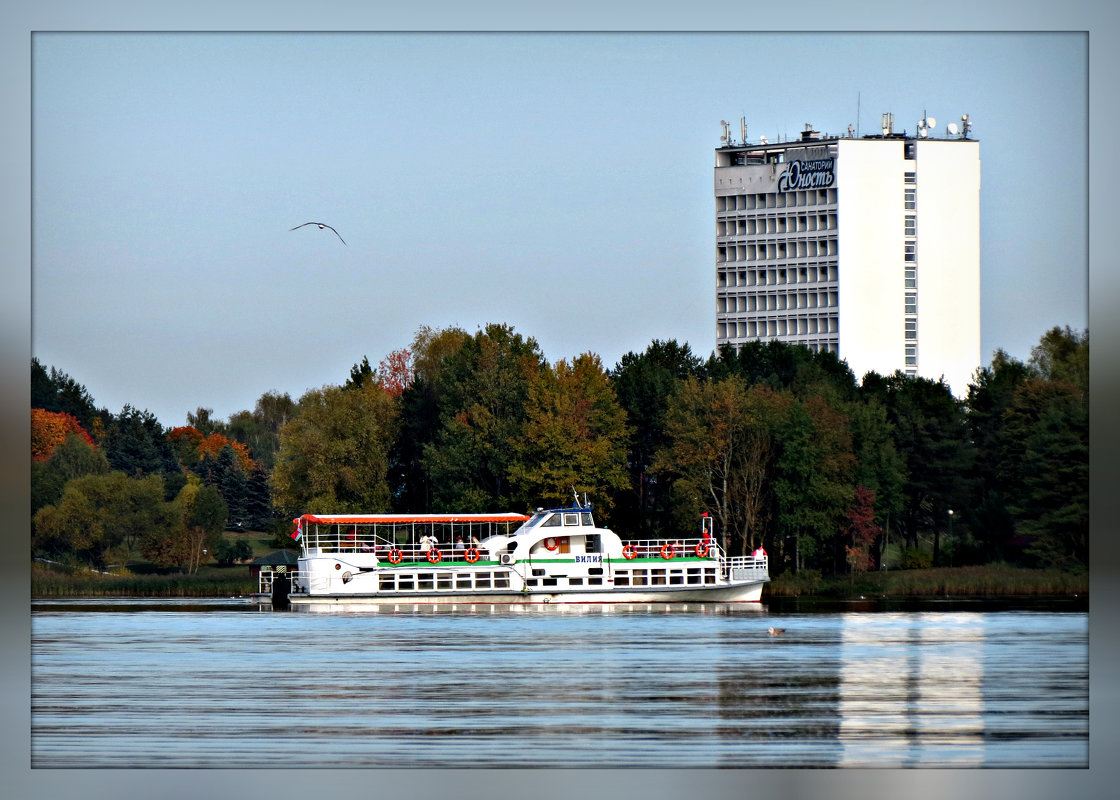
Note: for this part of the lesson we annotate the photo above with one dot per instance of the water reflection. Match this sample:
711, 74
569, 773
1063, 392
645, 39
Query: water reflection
910, 690
497, 685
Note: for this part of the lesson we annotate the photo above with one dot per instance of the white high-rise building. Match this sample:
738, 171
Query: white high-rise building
868, 247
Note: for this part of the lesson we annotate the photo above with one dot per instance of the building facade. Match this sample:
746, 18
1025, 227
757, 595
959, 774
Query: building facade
865, 247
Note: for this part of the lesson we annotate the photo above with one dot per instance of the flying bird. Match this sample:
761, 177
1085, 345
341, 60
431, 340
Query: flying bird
321, 226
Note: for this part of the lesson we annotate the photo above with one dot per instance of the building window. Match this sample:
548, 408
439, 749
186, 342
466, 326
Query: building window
910, 177
911, 225
911, 279
911, 303
911, 251
911, 197
911, 329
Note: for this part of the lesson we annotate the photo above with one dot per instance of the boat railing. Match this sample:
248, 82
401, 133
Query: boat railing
672, 548
389, 554
366, 540
737, 567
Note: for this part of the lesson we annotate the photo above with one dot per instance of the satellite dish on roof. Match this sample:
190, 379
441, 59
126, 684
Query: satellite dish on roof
952, 128
764, 140
931, 123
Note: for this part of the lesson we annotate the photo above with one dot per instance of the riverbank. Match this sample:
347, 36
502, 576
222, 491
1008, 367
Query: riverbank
210, 581
989, 581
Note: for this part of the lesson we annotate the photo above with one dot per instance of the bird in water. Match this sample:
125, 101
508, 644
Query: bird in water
776, 631
321, 225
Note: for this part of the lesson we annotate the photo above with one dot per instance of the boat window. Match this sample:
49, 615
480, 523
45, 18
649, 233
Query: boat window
551, 522
571, 519
586, 515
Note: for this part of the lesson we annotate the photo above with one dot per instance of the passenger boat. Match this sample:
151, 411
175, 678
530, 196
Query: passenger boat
555, 555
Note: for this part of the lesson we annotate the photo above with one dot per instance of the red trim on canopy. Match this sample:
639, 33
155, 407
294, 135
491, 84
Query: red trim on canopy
388, 519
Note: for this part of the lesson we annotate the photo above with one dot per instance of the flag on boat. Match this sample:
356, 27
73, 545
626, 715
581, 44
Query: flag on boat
298, 531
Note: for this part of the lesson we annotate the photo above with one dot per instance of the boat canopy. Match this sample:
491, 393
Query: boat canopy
404, 519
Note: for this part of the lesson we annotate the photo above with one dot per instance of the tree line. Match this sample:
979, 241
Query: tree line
780, 444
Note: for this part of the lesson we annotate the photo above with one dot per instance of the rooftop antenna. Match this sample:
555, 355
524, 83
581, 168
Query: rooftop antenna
743, 128
857, 112
966, 125
726, 138
888, 123
925, 125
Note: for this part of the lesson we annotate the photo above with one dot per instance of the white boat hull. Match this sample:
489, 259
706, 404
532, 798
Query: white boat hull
750, 592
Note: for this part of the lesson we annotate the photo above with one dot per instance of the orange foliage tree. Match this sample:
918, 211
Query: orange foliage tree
190, 446
49, 429
395, 371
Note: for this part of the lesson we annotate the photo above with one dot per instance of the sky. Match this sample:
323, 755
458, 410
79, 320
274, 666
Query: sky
558, 183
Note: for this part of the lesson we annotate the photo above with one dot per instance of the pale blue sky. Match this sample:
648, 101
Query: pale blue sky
561, 183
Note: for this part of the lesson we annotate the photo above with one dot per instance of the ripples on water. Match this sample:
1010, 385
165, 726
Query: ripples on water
218, 684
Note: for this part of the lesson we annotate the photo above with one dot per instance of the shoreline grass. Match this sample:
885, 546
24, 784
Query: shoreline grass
47, 582
991, 580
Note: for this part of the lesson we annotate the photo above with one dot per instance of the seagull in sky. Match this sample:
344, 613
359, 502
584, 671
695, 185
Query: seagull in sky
321, 226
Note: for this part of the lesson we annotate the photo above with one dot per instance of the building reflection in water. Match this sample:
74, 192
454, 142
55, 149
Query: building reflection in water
910, 690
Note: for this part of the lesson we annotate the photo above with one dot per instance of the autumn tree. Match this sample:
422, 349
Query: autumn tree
395, 371
720, 453
198, 515
103, 517
574, 436
432, 348
1062, 355
334, 454
50, 429
861, 531
71, 459
878, 466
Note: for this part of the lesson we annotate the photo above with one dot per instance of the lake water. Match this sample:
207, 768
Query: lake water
227, 684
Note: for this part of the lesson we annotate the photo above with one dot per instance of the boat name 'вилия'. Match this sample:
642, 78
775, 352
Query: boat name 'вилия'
557, 555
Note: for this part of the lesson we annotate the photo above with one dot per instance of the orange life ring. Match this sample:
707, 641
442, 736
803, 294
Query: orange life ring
472, 555
552, 546
667, 551
395, 556
702, 550
628, 551
434, 556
